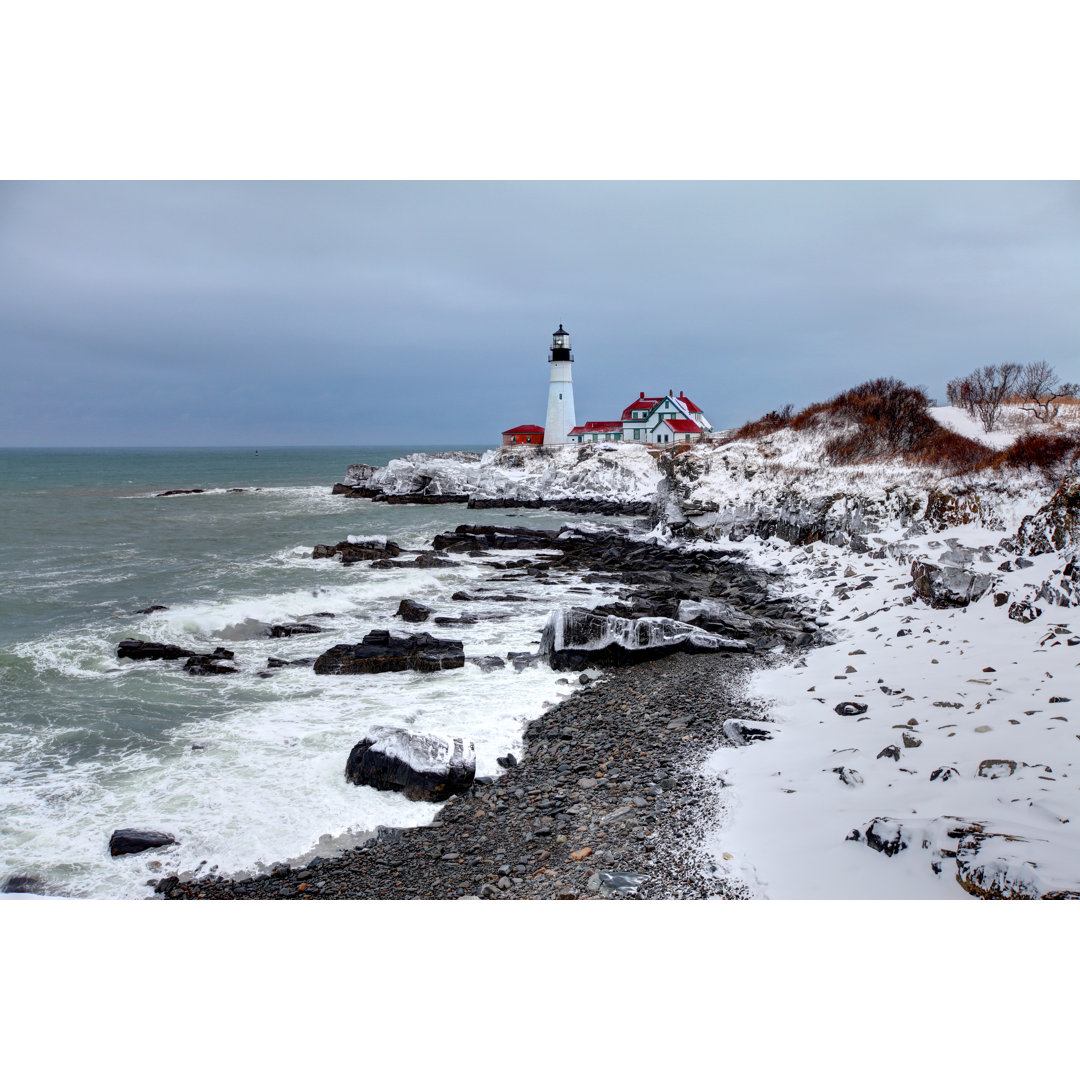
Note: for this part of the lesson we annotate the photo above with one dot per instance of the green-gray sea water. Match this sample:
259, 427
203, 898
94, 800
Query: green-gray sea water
243, 769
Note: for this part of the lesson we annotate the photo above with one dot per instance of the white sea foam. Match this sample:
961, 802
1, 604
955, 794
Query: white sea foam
268, 782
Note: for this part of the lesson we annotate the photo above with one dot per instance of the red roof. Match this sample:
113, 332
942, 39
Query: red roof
645, 403
682, 425
525, 429
690, 406
601, 425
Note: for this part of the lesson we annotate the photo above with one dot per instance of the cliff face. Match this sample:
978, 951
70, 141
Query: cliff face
782, 485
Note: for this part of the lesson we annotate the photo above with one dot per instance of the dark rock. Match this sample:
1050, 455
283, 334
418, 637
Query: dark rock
181, 491
507, 762
487, 663
458, 620
850, 708
282, 630
422, 767
364, 550
890, 752
24, 883
131, 649
411, 611
381, 651
274, 662
523, 660
211, 663
943, 773
167, 884
132, 841
429, 561
151, 609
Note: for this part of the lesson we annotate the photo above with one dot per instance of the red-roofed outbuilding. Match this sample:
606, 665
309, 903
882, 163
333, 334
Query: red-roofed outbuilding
524, 433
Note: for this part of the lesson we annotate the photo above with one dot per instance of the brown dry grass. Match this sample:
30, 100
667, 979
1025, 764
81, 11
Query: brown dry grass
892, 422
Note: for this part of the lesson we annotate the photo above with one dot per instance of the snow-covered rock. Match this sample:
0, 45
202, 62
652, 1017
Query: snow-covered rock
611, 472
422, 767
948, 586
575, 638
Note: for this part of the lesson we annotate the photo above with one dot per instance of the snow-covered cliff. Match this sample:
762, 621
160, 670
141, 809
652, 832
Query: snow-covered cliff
619, 473
783, 485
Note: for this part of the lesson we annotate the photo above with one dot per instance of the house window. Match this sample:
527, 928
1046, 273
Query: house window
528, 438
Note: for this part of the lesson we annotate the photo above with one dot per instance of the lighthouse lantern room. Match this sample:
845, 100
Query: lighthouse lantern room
560, 410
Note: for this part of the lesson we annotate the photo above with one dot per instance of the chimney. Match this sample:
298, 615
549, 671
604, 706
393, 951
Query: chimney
671, 393
642, 394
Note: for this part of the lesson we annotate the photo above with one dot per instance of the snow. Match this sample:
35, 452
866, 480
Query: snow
787, 810
422, 752
601, 471
963, 423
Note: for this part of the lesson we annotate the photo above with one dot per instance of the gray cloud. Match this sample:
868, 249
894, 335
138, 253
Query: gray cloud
272, 312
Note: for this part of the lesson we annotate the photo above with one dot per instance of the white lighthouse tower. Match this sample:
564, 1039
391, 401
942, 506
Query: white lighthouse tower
560, 410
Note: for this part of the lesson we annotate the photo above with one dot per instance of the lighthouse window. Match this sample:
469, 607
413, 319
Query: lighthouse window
560, 397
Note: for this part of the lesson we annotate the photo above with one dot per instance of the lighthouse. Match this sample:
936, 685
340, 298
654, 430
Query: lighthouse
560, 410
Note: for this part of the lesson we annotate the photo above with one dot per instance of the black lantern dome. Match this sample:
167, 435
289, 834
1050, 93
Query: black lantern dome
560, 345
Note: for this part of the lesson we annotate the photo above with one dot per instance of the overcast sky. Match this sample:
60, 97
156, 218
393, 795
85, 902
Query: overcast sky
364, 313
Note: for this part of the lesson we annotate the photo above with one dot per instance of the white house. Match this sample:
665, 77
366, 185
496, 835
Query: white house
669, 419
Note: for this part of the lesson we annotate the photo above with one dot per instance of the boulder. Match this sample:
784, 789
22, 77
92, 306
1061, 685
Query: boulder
948, 586
1056, 526
281, 630
151, 609
742, 732
411, 611
132, 649
427, 561
356, 549
423, 767
850, 708
132, 841
382, 651
23, 883
488, 663
211, 663
181, 491
576, 638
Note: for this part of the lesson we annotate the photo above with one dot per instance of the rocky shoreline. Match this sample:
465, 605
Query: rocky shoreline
608, 799
607, 802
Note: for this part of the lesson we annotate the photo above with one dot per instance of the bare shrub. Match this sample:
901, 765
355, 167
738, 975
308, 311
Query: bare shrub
1041, 392
1049, 454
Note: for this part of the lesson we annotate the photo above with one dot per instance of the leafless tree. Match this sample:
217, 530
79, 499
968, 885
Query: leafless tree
961, 394
991, 386
1041, 391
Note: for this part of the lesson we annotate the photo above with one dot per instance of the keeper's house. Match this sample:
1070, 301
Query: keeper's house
524, 433
650, 420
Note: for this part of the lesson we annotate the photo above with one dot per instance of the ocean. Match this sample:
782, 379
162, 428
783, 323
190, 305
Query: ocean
244, 770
